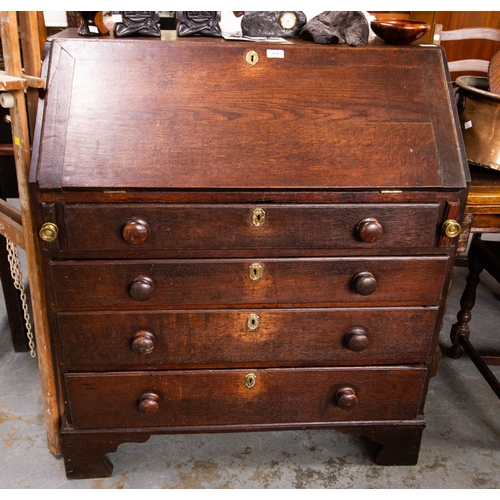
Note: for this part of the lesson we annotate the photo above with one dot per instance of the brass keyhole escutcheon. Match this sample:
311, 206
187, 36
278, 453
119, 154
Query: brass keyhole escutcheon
252, 57
255, 272
253, 321
451, 228
258, 217
250, 380
48, 232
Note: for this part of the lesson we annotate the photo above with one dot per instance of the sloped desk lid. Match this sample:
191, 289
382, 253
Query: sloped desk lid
191, 113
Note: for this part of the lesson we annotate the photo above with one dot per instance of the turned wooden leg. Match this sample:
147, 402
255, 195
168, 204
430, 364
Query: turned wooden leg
467, 301
85, 453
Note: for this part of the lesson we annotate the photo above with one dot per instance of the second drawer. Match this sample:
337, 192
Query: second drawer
243, 282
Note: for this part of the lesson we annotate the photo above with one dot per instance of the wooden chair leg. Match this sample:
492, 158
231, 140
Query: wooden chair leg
467, 301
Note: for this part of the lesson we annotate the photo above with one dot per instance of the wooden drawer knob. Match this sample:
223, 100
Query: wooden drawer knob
135, 232
143, 342
369, 230
356, 339
346, 398
364, 283
149, 402
141, 288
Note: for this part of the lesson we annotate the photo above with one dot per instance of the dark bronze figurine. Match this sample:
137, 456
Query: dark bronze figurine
140, 23
272, 23
337, 27
205, 23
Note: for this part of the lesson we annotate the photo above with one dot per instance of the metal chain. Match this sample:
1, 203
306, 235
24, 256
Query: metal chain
15, 271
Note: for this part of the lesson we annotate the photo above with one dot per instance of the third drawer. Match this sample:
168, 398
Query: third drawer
274, 337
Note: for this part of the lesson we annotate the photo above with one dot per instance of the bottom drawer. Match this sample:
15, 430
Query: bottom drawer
193, 398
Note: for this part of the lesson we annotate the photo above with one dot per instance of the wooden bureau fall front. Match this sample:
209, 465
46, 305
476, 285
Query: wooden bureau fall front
235, 246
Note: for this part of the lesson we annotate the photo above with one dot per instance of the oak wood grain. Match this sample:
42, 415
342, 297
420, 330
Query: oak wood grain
188, 398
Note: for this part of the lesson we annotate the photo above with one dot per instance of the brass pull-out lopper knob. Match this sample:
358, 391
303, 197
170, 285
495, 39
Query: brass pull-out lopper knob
48, 232
451, 228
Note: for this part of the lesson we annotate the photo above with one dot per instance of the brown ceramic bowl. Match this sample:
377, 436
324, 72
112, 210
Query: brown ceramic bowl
399, 31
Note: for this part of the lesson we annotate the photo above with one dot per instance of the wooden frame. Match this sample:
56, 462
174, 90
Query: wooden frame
19, 225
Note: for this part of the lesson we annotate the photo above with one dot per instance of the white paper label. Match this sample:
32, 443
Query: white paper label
93, 29
275, 54
468, 124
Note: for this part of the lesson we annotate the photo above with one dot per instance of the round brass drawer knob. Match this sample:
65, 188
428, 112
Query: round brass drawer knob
135, 232
451, 228
48, 232
364, 283
369, 230
149, 402
143, 342
356, 339
346, 398
141, 288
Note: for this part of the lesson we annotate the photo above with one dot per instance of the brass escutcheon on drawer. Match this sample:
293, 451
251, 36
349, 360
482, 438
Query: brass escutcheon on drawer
258, 217
253, 321
252, 58
250, 380
255, 272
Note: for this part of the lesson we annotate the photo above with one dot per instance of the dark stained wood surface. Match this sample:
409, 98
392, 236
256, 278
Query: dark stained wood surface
167, 291
226, 282
222, 338
100, 227
170, 121
200, 397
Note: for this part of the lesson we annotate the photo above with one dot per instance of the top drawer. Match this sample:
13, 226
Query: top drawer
148, 227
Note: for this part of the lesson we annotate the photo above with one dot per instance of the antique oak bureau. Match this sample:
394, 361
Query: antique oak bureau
240, 236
